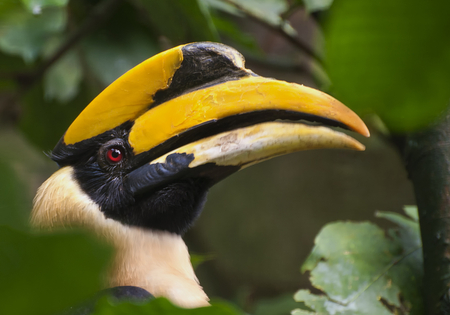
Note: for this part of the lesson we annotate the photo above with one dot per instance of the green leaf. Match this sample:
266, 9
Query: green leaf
280, 305
391, 57
408, 226
198, 21
222, 6
364, 272
43, 274
268, 11
21, 169
162, 306
8, 7
12, 64
299, 311
181, 21
229, 29
412, 212
320, 304
35, 6
197, 260
61, 81
26, 34
317, 5
45, 121
110, 54
15, 203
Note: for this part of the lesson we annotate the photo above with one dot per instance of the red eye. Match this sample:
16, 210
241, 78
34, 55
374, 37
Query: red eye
114, 155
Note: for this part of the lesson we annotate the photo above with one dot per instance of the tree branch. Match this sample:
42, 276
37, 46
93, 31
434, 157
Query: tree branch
293, 7
427, 158
296, 41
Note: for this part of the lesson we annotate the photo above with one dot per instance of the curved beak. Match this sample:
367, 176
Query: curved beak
231, 99
195, 110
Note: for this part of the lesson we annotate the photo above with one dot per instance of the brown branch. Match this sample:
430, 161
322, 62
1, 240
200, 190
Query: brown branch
427, 158
296, 41
291, 10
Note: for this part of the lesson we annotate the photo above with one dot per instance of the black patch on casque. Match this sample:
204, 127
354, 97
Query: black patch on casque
204, 64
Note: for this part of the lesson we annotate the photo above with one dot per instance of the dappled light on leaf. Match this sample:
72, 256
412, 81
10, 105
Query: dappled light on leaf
124, 52
362, 270
180, 21
267, 10
25, 34
317, 5
63, 79
35, 6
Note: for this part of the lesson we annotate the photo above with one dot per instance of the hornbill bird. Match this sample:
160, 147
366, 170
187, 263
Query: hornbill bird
137, 163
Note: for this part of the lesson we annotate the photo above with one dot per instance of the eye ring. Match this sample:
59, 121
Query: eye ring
114, 155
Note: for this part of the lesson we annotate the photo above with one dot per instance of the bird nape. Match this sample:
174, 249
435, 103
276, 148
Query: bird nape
137, 163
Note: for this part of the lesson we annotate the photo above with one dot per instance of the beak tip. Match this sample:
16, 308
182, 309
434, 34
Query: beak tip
366, 132
361, 128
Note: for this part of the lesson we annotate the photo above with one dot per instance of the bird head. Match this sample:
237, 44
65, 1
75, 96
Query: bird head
146, 150
137, 163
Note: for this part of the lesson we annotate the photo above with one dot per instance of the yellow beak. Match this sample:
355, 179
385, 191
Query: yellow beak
197, 101
247, 95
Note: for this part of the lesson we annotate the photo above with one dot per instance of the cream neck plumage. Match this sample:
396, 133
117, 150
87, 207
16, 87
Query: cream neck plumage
153, 260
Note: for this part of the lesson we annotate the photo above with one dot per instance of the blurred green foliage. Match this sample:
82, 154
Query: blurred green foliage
161, 306
388, 57
26, 35
363, 271
44, 274
392, 58
11, 199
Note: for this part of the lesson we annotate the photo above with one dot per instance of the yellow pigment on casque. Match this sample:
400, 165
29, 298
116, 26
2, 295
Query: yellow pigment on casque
127, 97
231, 98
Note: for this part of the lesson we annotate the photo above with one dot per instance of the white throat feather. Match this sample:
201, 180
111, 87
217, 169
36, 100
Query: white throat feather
153, 260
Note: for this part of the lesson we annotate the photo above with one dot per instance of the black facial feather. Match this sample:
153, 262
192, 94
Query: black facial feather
80, 152
173, 207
